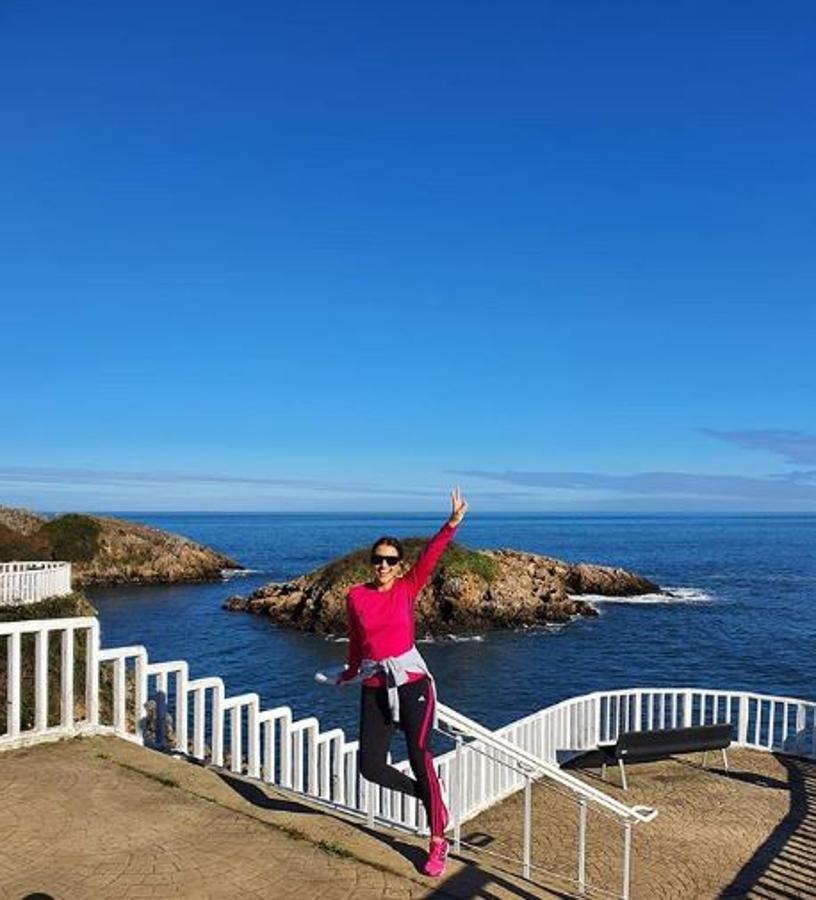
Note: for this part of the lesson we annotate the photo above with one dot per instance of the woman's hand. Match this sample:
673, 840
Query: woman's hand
458, 508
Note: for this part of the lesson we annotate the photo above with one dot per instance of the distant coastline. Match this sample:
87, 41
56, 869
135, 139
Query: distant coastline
106, 551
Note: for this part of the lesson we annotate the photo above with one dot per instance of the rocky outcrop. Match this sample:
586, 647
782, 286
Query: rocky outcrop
108, 551
23, 521
129, 553
469, 591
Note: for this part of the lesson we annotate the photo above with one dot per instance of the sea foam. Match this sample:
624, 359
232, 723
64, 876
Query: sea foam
226, 574
672, 595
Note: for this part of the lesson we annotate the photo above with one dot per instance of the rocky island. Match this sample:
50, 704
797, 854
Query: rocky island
470, 590
105, 551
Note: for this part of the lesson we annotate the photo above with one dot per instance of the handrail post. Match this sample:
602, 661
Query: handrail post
13, 679
742, 726
370, 788
458, 797
92, 674
627, 859
528, 825
140, 697
67, 688
41, 680
582, 826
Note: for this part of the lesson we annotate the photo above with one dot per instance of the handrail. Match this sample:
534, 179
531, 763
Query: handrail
535, 765
30, 626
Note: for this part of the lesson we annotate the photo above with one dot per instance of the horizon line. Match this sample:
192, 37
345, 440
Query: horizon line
433, 513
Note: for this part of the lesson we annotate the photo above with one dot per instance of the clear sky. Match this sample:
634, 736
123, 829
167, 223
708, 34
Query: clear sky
341, 255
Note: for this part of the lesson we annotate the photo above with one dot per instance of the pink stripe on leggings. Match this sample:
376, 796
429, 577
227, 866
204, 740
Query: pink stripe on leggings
438, 814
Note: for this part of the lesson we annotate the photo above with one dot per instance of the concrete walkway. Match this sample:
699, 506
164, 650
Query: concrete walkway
748, 833
100, 817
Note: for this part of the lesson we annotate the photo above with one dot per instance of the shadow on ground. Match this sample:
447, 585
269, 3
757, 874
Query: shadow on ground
784, 866
472, 881
254, 794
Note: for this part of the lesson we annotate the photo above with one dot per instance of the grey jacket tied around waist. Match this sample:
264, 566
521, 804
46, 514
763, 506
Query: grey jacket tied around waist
396, 669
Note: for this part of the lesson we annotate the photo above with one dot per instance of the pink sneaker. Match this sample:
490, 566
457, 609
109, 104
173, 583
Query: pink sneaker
437, 855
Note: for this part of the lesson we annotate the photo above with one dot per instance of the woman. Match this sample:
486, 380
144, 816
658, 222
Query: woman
397, 686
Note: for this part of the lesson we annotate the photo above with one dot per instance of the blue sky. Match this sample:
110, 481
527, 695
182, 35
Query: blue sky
342, 255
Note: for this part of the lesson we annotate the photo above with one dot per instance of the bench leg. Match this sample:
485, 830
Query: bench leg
704, 757
603, 771
725, 759
622, 774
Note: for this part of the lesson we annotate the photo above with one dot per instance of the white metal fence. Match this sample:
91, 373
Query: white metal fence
160, 705
29, 645
27, 582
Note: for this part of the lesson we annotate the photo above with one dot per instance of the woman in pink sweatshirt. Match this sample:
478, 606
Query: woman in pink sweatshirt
398, 689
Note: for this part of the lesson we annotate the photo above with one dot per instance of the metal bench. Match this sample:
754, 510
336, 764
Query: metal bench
646, 746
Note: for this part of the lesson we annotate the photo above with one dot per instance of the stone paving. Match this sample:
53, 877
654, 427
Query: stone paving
750, 833
105, 818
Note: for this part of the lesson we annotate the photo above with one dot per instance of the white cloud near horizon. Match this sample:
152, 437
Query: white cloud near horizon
795, 446
671, 485
80, 488
100, 477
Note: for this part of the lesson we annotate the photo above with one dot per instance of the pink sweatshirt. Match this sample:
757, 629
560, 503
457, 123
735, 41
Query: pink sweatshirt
381, 623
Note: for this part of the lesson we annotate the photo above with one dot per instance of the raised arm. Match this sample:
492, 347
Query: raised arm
419, 573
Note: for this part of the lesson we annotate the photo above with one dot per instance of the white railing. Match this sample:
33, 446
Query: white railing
76, 712
158, 704
27, 582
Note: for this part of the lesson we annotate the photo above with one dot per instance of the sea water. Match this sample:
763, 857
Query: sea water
742, 615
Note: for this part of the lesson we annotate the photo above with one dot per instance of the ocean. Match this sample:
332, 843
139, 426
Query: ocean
744, 616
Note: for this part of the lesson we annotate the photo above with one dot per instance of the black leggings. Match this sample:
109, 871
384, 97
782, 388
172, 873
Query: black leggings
376, 730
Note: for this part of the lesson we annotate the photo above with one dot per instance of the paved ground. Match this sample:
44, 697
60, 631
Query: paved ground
102, 818
748, 834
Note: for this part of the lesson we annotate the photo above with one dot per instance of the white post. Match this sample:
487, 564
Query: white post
13, 687
92, 674
528, 826
801, 719
254, 742
41, 681
311, 759
286, 752
582, 825
198, 723
627, 859
771, 724
297, 762
140, 699
161, 709
352, 780
218, 725
370, 792
67, 699
236, 749
181, 710
457, 797
119, 696
742, 727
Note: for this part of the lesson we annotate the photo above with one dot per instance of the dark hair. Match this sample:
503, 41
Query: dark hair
389, 542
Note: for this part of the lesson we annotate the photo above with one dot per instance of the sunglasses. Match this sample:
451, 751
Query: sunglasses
377, 560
